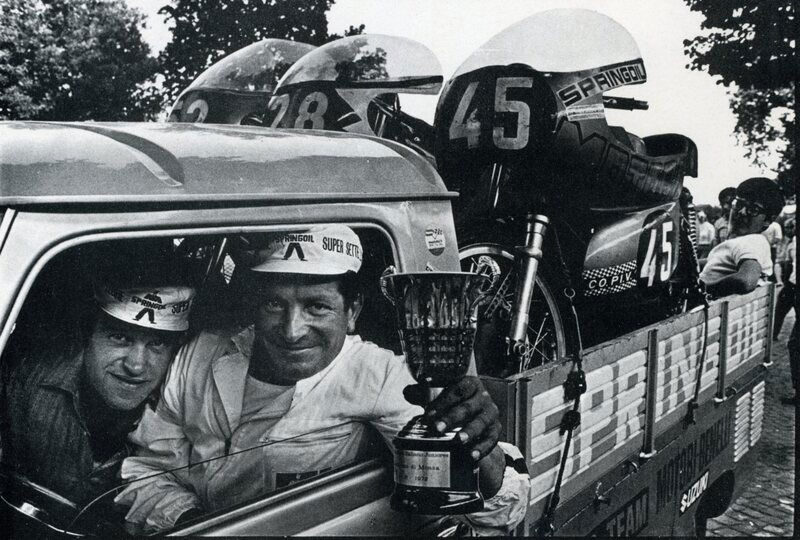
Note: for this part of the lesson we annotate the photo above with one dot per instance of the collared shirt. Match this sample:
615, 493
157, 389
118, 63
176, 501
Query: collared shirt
44, 433
200, 417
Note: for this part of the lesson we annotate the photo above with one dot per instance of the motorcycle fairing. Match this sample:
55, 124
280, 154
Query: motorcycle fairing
636, 249
239, 85
216, 107
531, 99
351, 74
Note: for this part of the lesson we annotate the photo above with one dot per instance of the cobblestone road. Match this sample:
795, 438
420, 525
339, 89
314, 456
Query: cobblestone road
766, 507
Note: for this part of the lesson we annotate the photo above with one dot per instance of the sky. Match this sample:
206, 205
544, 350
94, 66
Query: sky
681, 101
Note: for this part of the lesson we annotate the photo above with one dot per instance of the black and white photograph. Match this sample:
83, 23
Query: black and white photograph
410, 268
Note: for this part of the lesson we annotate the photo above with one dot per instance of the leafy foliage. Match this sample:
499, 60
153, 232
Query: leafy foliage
206, 30
73, 60
752, 46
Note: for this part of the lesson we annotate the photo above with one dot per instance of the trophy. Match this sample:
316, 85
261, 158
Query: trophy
437, 321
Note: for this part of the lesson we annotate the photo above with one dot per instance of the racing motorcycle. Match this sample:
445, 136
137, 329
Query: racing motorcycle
352, 84
237, 88
586, 227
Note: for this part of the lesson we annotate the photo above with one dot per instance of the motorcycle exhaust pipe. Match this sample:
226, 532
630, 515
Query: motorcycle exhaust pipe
528, 257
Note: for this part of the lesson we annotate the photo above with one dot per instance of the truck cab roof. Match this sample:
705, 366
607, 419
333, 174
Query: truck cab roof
112, 163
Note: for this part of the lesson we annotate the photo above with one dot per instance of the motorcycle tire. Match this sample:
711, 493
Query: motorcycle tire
551, 324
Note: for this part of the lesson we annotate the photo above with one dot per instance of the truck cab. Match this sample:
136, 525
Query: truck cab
68, 191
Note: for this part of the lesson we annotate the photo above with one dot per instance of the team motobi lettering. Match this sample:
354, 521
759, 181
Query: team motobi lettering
629, 520
684, 466
337, 245
610, 77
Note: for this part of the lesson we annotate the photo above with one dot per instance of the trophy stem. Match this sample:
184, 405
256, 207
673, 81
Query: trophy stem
431, 393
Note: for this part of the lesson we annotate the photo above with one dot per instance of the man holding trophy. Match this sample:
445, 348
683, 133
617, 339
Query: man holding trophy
298, 377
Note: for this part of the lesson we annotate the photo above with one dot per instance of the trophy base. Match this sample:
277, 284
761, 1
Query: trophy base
433, 472
435, 501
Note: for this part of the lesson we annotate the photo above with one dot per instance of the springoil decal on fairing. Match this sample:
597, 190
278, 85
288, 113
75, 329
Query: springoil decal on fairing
610, 279
612, 76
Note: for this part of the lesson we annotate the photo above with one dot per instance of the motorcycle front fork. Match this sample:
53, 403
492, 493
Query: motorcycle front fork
527, 259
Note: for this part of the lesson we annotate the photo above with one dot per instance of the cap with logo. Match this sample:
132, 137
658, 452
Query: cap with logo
319, 250
157, 308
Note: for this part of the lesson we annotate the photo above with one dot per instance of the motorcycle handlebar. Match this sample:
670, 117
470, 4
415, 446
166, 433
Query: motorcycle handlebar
628, 104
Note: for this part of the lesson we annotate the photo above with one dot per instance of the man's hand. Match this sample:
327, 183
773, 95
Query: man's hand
465, 404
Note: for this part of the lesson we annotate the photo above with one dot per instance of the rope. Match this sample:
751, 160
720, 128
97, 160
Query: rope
574, 387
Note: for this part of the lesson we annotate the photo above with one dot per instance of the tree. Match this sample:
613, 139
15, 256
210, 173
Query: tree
73, 60
206, 30
752, 45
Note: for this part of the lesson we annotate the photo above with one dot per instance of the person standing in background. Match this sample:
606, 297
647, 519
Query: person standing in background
785, 301
774, 236
783, 262
705, 235
726, 197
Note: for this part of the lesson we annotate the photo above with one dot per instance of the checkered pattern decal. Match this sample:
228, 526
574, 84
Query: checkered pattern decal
609, 280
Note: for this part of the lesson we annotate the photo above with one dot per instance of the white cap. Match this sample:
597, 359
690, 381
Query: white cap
157, 308
325, 250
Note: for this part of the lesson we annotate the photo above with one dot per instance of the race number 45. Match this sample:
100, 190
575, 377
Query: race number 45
466, 125
658, 241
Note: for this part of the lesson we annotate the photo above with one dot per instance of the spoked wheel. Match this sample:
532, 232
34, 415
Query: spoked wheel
550, 320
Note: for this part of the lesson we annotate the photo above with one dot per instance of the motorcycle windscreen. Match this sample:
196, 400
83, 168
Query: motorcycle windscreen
557, 41
240, 85
335, 86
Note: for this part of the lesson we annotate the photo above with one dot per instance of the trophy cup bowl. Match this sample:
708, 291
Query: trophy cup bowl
437, 320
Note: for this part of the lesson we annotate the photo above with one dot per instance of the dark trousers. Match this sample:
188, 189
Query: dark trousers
794, 358
783, 306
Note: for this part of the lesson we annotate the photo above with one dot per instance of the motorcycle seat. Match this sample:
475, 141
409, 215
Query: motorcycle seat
666, 144
676, 153
634, 142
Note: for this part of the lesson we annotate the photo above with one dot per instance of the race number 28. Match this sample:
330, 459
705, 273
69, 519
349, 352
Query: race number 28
465, 125
310, 111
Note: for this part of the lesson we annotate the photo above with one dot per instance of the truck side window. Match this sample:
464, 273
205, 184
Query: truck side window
50, 406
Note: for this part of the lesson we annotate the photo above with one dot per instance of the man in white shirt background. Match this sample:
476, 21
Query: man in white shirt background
736, 265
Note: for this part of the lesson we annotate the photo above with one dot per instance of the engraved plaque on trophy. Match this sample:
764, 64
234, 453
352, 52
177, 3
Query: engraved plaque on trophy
437, 320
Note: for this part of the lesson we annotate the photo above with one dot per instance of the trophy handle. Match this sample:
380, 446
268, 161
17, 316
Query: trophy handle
486, 289
386, 285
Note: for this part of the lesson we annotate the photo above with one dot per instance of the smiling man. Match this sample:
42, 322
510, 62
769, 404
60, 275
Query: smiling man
292, 396
66, 419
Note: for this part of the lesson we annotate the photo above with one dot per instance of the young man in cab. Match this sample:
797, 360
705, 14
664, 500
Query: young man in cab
67, 412
300, 387
736, 265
